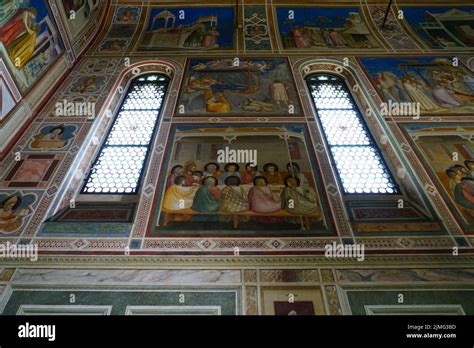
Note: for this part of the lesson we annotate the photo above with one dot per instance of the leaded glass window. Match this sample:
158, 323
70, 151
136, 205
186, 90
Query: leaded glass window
118, 167
354, 152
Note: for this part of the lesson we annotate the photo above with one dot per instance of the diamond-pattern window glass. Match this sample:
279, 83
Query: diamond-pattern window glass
118, 167
354, 152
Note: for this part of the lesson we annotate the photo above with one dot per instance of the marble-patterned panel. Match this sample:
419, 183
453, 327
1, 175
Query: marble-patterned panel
406, 275
48, 276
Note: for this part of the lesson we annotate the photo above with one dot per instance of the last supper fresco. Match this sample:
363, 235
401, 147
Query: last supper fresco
242, 180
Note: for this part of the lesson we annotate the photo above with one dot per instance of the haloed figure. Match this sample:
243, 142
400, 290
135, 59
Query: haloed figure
261, 198
231, 169
205, 200
272, 175
189, 168
296, 200
11, 214
233, 196
212, 169
294, 172
250, 173
176, 171
178, 196
463, 186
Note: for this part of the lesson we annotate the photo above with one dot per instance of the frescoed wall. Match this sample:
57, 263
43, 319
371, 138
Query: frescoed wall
442, 27
434, 83
391, 30
192, 203
324, 27
229, 86
77, 14
189, 28
449, 154
29, 40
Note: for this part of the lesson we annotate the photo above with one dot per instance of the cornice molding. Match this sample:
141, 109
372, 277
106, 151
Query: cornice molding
156, 262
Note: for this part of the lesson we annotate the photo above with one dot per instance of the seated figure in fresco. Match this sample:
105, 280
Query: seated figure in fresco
249, 174
261, 198
176, 171
205, 200
470, 168
178, 196
216, 102
52, 139
293, 170
272, 175
231, 169
212, 169
463, 186
189, 168
296, 200
87, 85
10, 214
233, 197
197, 176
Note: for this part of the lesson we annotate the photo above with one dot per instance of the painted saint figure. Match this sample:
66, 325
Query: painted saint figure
261, 198
294, 171
231, 169
279, 93
249, 174
19, 36
296, 200
470, 168
233, 197
272, 175
178, 196
204, 200
210, 38
52, 139
176, 171
463, 187
10, 213
212, 169
189, 168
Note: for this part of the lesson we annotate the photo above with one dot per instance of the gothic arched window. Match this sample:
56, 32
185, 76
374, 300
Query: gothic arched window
353, 149
119, 165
